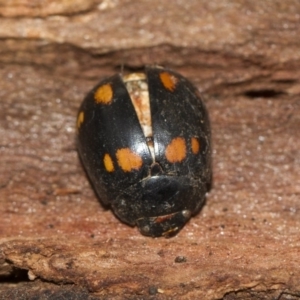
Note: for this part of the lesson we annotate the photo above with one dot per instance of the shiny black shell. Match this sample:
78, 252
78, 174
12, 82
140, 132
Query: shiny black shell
157, 193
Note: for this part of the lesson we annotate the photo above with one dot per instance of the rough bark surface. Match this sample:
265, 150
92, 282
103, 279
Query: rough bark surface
58, 242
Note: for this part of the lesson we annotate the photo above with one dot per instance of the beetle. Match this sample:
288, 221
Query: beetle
144, 141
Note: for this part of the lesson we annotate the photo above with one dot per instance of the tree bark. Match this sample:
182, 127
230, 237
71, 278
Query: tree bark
56, 240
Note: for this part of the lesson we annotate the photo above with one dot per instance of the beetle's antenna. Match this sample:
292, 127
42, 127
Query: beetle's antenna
122, 67
122, 63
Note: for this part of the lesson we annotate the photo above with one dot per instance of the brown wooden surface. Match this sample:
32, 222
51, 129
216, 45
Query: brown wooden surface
55, 238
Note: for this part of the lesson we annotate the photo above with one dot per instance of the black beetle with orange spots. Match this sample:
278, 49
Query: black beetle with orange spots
144, 140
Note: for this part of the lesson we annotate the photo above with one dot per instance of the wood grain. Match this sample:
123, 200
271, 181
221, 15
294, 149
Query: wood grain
55, 237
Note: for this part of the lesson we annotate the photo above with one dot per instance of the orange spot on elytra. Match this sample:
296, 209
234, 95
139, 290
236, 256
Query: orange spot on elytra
80, 119
108, 163
169, 81
128, 160
195, 145
104, 94
176, 150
